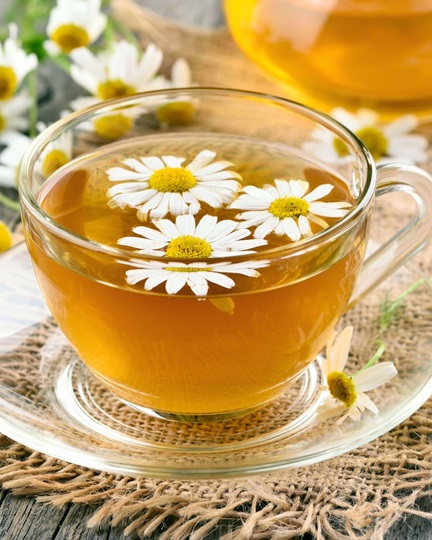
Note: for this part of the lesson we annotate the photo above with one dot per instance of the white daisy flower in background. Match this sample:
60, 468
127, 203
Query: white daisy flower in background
56, 154
181, 75
15, 64
181, 110
347, 393
14, 116
386, 142
157, 186
120, 72
73, 24
186, 239
286, 208
10, 159
196, 275
111, 125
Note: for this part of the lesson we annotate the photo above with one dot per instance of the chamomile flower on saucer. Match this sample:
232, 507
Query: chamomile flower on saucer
287, 208
196, 275
386, 142
15, 64
157, 186
10, 159
185, 239
347, 396
120, 72
14, 116
73, 24
56, 153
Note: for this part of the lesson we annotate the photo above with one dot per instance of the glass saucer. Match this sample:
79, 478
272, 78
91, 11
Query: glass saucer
51, 403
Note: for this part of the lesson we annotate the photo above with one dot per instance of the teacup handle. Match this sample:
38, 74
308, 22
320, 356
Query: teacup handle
408, 240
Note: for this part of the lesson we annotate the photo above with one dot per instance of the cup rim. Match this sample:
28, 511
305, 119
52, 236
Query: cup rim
293, 248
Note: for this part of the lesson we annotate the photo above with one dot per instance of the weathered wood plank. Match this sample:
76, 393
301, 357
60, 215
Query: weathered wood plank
205, 13
22, 518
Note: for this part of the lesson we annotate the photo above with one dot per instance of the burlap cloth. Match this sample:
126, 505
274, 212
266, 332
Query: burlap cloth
358, 495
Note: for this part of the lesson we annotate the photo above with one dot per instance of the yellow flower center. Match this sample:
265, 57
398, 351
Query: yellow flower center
114, 89
177, 113
172, 180
374, 139
113, 126
286, 207
342, 387
70, 36
8, 82
188, 247
2, 123
53, 161
5, 237
341, 147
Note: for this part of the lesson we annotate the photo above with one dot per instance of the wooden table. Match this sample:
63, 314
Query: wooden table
22, 518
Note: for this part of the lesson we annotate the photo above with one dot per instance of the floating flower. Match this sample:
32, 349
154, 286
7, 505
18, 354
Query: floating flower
117, 73
56, 153
10, 159
196, 275
14, 116
386, 143
157, 186
15, 64
73, 24
347, 394
187, 240
286, 208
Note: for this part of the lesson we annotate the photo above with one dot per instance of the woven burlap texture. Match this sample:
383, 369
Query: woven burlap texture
358, 495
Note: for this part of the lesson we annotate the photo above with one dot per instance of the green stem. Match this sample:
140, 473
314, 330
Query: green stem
124, 32
9, 203
375, 357
62, 61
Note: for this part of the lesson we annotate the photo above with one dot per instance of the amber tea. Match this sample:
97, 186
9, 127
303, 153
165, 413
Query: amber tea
192, 335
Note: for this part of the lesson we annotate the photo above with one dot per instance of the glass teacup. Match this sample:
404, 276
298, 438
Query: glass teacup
199, 262
351, 53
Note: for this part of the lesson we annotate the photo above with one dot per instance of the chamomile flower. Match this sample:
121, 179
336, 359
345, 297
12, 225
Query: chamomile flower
196, 275
112, 125
386, 142
73, 24
347, 393
186, 239
14, 116
5, 237
157, 186
15, 64
286, 208
10, 159
120, 72
181, 110
56, 153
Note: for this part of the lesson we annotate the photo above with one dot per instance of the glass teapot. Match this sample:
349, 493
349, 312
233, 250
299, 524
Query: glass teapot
350, 53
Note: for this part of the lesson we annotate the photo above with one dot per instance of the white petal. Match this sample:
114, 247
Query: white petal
176, 282
186, 224
291, 229
267, 227
172, 161
198, 284
401, 125
319, 192
202, 159
154, 163
374, 376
